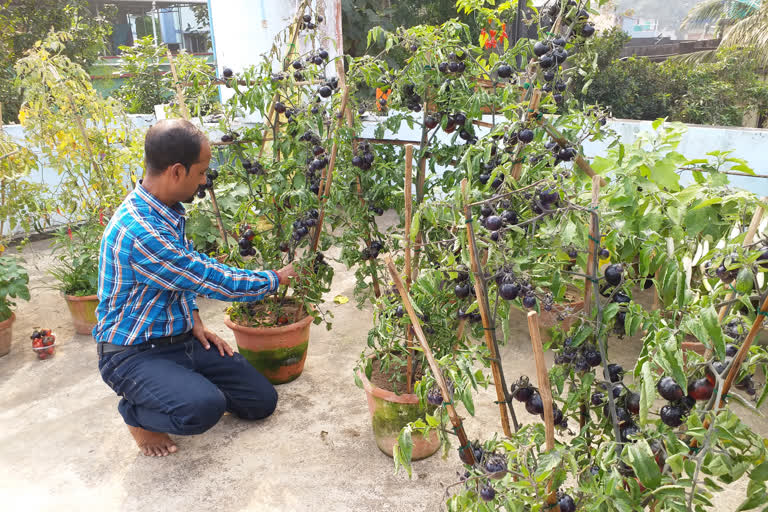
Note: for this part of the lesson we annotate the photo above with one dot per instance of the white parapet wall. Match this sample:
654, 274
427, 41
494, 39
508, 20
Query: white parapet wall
746, 143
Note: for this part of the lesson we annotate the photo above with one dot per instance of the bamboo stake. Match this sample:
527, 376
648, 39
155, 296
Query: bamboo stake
185, 114
533, 110
543, 378
742, 353
750, 236
408, 214
179, 91
329, 174
546, 394
419, 190
482, 301
374, 274
580, 161
420, 179
291, 46
593, 248
458, 427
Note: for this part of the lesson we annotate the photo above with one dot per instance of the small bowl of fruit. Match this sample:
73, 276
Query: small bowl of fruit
43, 343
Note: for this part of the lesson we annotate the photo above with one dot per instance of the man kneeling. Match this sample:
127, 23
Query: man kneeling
153, 348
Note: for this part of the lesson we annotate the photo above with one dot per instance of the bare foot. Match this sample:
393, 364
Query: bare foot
153, 444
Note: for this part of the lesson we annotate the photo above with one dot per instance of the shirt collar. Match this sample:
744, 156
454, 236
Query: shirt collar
173, 214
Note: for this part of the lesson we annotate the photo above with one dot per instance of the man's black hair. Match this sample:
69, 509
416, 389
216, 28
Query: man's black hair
172, 141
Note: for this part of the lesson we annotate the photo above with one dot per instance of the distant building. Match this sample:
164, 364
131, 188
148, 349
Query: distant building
171, 23
640, 27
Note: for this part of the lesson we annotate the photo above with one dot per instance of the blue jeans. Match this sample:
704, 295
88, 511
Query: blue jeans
184, 389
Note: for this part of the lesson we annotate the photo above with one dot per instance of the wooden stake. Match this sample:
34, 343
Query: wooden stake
543, 378
546, 394
329, 175
408, 215
482, 301
179, 91
748, 239
217, 214
742, 353
419, 191
185, 114
458, 427
593, 248
291, 46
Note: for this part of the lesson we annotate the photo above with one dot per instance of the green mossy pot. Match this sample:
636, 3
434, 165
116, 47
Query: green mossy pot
83, 311
390, 413
277, 352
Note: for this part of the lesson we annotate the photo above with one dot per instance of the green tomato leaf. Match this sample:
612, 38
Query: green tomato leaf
714, 331
647, 391
643, 462
403, 449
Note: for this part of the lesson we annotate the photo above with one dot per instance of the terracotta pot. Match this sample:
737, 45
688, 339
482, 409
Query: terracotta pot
691, 344
83, 311
277, 352
6, 335
390, 413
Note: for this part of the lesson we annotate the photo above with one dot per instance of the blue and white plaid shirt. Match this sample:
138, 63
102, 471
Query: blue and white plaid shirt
149, 274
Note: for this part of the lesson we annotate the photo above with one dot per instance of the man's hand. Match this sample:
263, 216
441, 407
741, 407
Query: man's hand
206, 337
285, 274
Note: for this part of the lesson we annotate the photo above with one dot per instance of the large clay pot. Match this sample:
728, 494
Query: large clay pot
83, 311
6, 335
390, 412
277, 352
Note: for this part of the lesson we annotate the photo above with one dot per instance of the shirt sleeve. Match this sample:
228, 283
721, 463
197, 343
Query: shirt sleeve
191, 299
160, 261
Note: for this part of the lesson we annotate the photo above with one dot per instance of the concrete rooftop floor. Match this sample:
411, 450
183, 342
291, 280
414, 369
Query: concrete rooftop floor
64, 447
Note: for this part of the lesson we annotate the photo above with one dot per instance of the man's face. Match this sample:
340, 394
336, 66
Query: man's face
189, 183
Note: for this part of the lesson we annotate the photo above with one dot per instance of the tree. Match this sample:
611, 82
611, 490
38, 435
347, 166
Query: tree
741, 23
723, 13
359, 16
25, 22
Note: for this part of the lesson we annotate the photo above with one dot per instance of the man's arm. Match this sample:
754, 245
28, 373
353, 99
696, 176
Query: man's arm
161, 262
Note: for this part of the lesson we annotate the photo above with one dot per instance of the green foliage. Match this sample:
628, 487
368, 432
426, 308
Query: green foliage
360, 16
201, 94
145, 86
716, 93
14, 283
88, 139
25, 22
23, 203
77, 252
148, 84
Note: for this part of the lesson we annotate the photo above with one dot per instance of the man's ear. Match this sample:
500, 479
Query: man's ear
178, 171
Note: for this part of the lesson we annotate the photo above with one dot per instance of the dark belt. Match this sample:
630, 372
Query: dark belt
108, 348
